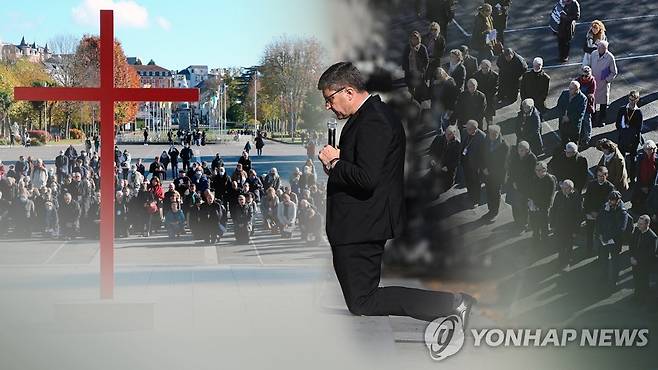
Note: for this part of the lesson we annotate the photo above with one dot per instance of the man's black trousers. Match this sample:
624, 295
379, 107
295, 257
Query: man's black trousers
358, 268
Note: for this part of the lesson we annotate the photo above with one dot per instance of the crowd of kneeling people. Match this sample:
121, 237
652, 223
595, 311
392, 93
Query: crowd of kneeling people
205, 200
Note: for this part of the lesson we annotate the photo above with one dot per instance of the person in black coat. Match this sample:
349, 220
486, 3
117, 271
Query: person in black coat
629, 131
242, 217
121, 212
472, 160
61, 164
542, 190
567, 27
495, 169
535, 84
569, 164
210, 216
613, 226
69, 217
365, 201
528, 126
522, 163
186, 155
510, 69
444, 95
471, 104
643, 249
436, 47
645, 171
414, 63
455, 68
488, 84
596, 195
566, 215
445, 154
245, 161
470, 62
173, 156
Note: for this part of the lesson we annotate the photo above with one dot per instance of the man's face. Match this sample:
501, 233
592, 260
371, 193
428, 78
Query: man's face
570, 153
614, 203
566, 188
414, 40
573, 89
540, 172
536, 66
471, 87
649, 151
241, 201
338, 102
522, 152
643, 225
602, 48
485, 67
493, 135
470, 129
601, 176
450, 135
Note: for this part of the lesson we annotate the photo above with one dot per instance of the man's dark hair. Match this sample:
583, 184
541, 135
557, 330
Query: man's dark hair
341, 75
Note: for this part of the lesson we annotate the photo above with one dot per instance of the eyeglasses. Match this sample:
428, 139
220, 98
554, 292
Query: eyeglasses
329, 99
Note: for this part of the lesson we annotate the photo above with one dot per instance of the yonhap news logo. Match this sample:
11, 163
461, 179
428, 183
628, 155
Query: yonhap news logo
445, 336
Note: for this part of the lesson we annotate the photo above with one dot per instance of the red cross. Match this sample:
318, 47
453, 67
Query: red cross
107, 94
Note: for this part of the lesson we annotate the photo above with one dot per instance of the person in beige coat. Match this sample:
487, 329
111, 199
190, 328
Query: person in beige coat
614, 161
604, 70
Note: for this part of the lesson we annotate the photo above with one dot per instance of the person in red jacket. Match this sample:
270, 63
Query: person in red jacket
588, 87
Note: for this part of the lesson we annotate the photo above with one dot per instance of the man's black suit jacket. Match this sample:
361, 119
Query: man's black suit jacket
365, 194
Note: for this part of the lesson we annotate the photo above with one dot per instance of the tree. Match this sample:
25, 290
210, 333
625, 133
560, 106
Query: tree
290, 70
68, 74
87, 59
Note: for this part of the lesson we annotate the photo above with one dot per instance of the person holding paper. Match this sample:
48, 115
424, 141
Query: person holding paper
483, 35
604, 70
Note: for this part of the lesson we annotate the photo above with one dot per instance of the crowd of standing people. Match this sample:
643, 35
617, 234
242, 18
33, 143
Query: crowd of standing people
553, 193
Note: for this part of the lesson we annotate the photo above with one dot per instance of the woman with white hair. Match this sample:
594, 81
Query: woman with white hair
645, 175
39, 175
528, 126
455, 68
604, 70
272, 180
444, 96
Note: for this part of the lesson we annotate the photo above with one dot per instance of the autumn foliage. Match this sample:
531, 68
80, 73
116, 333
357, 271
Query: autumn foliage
88, 58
